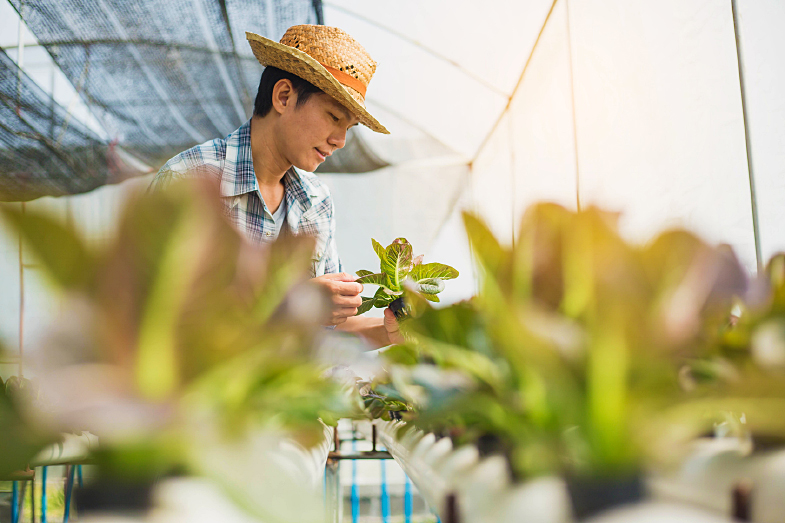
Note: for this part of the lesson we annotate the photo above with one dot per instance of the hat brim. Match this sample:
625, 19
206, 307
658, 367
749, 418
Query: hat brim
275, 54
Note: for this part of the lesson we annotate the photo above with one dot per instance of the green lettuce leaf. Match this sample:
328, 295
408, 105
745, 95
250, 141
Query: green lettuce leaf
61, 252
366, 305
362, 273
486, 247
383, 298
430, 286
432, 270
380, 251
373, 279
398, 262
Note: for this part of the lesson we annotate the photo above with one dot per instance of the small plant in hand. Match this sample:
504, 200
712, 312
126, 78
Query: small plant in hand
402, 272
382, 401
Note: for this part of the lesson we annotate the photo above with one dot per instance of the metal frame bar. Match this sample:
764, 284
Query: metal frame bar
69, 488
574, 111
132, 41
14, 502
517, 86
355, 489
383, 495
747, 142
43, 494
20, 362
408, 504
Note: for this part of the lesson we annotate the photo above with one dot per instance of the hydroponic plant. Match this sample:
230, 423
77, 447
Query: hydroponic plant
570, 354
401, 272
199, 345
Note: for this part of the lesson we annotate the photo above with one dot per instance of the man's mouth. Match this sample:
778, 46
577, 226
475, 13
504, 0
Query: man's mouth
324, 155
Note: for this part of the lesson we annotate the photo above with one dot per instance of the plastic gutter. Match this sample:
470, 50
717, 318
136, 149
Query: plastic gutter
483, 492
72, 449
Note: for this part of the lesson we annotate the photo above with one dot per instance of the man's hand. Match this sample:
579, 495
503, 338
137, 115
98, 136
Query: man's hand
392, 327
344, 295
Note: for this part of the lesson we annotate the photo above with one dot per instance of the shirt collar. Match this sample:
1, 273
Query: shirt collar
239, 177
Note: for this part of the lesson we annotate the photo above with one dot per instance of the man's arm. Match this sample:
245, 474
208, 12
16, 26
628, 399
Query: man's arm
378, 332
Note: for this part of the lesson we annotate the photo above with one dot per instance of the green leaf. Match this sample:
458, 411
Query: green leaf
432, 270
20, 439
380, 251
430, 286
362, 273
373, 279
430, 297
157, 366
484, 244
365, 306
401, 354
382, 298
398, 262
61, 252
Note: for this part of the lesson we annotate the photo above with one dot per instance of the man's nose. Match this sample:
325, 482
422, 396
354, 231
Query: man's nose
338, 139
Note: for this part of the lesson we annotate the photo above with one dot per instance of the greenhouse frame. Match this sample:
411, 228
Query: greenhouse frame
573, 221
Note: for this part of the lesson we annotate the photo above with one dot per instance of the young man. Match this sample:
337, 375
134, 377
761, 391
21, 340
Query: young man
311, 93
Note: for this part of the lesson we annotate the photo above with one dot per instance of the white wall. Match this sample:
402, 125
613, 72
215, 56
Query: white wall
658, 121
763, 54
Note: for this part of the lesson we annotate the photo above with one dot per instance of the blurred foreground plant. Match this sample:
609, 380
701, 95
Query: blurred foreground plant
568, 360
179, 335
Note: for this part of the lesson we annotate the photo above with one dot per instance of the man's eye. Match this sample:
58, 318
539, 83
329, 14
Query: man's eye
335, 118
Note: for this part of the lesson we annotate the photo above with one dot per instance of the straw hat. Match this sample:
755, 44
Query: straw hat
328, 58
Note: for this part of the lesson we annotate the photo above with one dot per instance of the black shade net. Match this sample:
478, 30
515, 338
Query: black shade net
160, 75
42, 150
163, 75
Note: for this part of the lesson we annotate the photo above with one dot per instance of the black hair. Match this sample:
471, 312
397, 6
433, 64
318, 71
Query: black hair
270, 77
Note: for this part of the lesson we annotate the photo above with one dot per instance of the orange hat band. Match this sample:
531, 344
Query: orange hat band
346, 79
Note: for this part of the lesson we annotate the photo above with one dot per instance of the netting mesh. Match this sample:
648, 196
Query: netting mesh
160, 75
42, 151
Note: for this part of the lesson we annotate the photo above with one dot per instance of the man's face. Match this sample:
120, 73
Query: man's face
314, 131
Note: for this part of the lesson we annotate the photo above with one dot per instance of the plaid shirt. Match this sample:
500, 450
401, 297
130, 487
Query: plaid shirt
309, 207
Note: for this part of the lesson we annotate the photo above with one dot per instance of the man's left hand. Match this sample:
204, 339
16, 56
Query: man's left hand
392, 327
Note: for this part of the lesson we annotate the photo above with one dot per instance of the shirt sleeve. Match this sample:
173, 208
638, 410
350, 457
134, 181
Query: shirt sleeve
172, 170
200, 161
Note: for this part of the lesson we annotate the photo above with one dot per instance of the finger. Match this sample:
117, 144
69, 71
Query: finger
344, 312
390, 322
348, 288
391, 325
339, 276
347, 301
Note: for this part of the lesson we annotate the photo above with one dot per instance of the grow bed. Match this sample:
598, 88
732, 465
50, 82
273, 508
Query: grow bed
480, 490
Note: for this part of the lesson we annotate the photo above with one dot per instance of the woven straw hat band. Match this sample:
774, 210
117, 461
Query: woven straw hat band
346, 79
336, 51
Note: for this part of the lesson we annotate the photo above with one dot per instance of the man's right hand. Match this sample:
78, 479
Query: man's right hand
344, 295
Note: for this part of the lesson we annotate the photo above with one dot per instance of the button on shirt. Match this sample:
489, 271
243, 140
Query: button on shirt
307, 207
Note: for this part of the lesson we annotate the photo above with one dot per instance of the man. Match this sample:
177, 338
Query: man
311, 93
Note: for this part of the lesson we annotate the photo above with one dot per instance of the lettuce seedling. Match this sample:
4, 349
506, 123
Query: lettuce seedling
401, 270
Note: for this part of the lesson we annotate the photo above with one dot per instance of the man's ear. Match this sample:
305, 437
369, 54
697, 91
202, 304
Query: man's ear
284, 95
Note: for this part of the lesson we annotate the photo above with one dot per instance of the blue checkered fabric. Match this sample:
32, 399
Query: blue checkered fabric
309, 207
